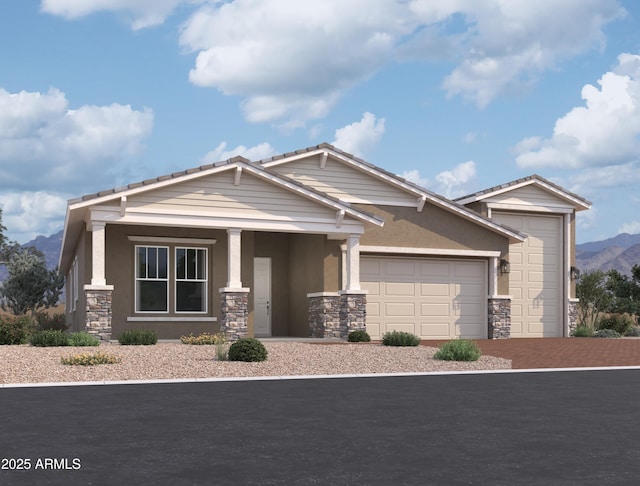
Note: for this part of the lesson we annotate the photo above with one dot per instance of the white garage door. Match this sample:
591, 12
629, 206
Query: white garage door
431, 298
535, 278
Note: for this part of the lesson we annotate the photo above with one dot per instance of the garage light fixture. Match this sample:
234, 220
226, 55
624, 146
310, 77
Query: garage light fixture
504, 266
575, 273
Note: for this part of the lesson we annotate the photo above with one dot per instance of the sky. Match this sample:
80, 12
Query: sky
455, 95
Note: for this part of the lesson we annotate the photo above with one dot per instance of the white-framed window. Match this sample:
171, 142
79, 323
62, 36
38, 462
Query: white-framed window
191, 280
152, 278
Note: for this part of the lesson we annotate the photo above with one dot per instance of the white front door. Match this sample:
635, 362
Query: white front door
262, 296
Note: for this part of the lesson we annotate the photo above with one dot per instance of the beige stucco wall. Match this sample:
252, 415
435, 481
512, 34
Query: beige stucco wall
77, 318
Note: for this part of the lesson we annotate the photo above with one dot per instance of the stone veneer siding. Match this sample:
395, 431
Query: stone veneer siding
98, 307
235, 313
499, 318
573, 315
324, 316
353, 312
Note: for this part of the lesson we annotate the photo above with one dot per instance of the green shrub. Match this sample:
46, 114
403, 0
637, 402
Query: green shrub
607, 333
620, 323
358, 337
458, 350
143, 337
204, 338
247, 349
91, 359
633, 331
582, 331
83, 338
56, 321
14, 330
49, 337
400, 338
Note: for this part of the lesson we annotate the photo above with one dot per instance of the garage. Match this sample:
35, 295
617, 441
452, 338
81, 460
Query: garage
535, 277
429, 297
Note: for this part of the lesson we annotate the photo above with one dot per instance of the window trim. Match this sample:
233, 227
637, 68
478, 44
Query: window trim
205, 281
136, 279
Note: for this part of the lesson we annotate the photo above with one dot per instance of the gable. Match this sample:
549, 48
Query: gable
529, 197
218, 195
344, 182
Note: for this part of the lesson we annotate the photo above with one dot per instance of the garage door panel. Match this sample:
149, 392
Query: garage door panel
425, 296
372, 288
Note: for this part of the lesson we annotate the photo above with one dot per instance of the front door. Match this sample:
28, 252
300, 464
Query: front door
262, 296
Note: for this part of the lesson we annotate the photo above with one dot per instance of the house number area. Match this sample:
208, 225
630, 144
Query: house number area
41, 463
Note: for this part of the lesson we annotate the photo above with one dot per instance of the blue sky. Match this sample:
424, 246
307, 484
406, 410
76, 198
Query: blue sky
455, 95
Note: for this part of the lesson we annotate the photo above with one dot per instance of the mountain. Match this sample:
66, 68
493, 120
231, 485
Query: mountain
619, 253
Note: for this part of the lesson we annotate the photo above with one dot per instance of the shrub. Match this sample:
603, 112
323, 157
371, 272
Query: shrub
143, 337
247, 349
359, 337
620, 323
458, 350
607, 333
14, 330
582, 331
49, 337
221, 351
91, 359
400, 338
204, 338
633, 331
44, 321
83, 338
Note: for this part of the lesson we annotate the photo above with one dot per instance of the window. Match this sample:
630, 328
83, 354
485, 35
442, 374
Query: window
191, 280
152, 279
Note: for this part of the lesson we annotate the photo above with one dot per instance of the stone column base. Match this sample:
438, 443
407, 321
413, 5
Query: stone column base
353, 311
324, 314
573, 315
499, 317
235, 313
98, 300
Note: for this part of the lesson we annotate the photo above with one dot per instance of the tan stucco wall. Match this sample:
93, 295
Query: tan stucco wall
276, 247
76, 319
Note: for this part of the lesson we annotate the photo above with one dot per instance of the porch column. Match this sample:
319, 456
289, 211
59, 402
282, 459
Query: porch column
353, 263
235, 298
353, 300
98, 295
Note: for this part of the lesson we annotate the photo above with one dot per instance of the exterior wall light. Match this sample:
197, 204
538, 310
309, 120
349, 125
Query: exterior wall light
575, 273
504, 266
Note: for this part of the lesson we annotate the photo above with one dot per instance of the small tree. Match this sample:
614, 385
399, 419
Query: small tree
594, 298
625, 291
30, 286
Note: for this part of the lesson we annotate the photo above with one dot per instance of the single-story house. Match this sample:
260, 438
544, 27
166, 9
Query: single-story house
318, 242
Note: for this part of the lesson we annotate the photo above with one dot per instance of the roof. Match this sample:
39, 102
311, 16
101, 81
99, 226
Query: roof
579, 202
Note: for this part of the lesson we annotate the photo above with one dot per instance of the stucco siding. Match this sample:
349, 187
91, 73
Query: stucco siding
344, 182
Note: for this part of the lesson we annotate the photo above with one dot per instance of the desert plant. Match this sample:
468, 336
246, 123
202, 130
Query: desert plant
618, 322
458, 350
607, 333
49, 337
358, 337
247, 349
222, 353
400, 338
204, 338
57, 320
633, 331
83, 338
14, 329
91, 359
143, 337
583, 331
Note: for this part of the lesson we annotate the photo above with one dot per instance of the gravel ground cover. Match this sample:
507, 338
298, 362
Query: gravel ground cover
27, 364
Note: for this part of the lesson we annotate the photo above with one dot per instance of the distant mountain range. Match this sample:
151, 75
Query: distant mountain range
619, 253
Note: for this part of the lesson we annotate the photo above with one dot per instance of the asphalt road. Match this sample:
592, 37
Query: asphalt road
554, 428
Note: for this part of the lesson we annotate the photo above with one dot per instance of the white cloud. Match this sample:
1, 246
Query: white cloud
604, 132
415, 177
633, 228
29, 214
359, 137
257, 152
43, 142
290, 66
452, 183
141, 13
